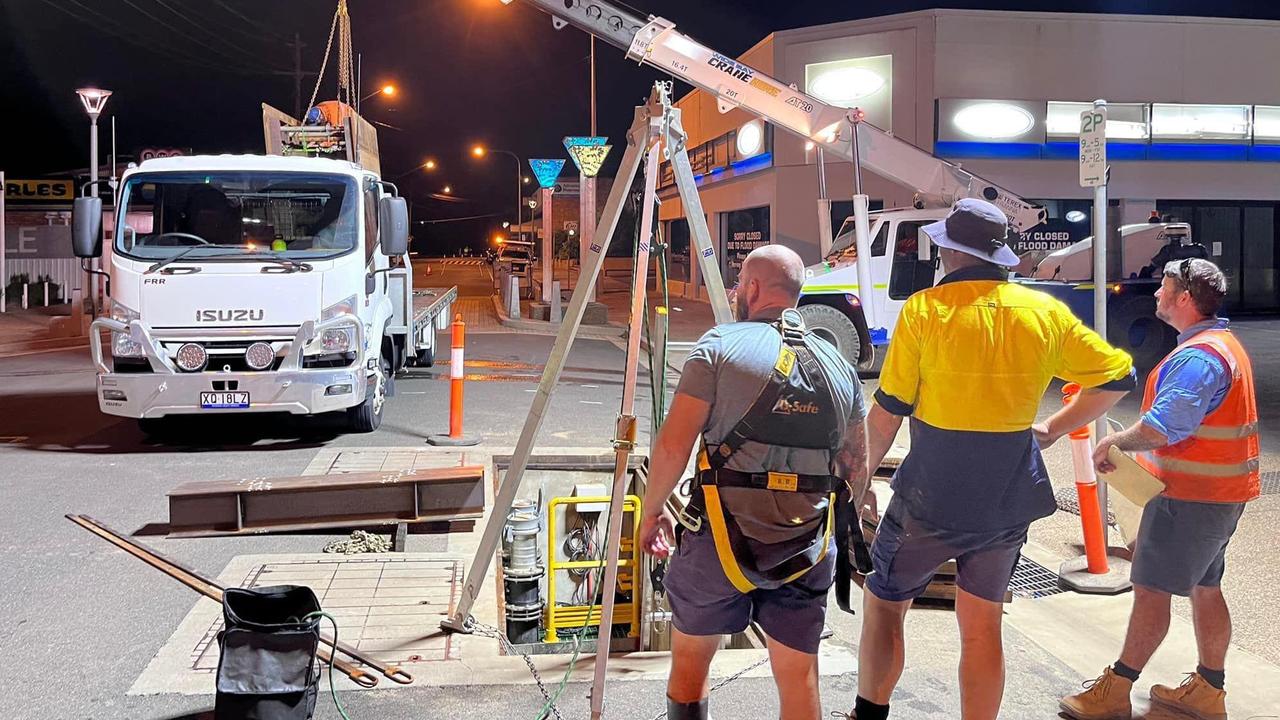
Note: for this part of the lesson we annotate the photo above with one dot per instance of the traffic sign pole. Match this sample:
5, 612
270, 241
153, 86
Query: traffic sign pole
1095, 173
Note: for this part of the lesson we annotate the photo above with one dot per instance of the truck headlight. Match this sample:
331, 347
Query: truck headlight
121, 344
335, 340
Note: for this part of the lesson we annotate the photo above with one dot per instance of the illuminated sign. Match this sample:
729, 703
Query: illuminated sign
589, 158
993, 121
572, 141
39, 190
862, 82
546, 171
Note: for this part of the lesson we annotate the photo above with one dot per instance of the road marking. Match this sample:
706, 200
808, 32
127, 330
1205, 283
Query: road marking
413, 392
590, 402
590, 386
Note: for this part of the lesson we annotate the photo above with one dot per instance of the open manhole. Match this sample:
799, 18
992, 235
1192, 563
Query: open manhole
1033, 580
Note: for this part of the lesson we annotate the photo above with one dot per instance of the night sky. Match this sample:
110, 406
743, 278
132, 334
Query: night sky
192, 74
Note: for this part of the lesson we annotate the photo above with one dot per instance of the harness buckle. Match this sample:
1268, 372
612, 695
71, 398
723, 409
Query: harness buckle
783, 482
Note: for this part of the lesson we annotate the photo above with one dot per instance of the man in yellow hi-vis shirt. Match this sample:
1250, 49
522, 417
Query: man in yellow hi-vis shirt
969, 363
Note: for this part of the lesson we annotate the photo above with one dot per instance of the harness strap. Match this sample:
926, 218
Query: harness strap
777, 481
732, 548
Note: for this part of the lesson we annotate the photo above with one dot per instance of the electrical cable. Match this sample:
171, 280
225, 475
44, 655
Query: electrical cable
333, 689
107, 25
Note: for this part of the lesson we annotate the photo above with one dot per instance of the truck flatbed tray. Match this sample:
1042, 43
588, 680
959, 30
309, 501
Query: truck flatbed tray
427, 301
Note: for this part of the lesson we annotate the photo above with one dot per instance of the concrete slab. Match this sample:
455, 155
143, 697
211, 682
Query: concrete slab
1085, 632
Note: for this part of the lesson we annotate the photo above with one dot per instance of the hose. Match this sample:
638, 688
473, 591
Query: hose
333, 688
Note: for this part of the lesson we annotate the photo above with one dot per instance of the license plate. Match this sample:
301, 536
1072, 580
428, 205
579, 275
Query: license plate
221, 400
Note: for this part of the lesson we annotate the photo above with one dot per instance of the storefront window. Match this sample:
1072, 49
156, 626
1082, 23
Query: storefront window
744, 231
1241, 238
678, 242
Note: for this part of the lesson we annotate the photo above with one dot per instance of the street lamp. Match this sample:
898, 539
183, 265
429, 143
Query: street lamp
428, 165
448, 190
387, 90
480, 151
94, 100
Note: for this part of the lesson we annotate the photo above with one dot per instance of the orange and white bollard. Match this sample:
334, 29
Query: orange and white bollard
457, 380
1094, 572
1095, 549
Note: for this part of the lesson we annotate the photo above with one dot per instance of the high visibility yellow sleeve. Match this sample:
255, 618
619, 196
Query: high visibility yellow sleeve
1089, 360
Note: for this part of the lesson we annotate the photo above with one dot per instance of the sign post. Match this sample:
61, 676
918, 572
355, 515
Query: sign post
547, 172
1094, 173
588, 154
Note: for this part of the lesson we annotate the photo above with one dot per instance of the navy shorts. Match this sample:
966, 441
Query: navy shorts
907, 553
1183, 544
704, 602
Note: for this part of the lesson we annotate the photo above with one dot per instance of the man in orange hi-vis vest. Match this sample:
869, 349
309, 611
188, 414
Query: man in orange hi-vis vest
1199, 435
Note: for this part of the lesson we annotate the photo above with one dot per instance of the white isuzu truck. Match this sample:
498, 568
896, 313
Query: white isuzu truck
248, 284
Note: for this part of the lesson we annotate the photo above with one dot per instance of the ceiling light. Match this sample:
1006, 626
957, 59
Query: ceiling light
994, 121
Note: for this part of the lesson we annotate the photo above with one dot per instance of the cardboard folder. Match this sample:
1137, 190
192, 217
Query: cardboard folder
1131, 479
1134, 488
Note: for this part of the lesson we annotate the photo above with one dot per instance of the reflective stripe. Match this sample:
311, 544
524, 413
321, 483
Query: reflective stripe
720, 533
1226, 432
1203, 468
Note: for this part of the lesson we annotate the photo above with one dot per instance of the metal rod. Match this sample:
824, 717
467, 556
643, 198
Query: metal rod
1100, 305
625, 438
460, 620
213, 591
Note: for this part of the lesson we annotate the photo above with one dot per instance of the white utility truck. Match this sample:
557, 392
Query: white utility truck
259, 283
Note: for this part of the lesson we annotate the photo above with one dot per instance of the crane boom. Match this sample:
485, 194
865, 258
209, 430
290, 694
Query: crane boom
655, 41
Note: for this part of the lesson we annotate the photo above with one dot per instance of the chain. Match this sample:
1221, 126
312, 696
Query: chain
359, 542
325, 63
489, 631
724, 682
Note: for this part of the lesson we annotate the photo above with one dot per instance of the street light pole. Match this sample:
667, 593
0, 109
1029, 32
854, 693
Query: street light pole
93, 100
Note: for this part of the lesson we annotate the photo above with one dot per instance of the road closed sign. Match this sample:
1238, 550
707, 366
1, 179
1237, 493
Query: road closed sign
1093, 147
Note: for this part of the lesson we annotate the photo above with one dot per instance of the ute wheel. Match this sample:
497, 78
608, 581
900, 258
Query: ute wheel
367, 416
1133, 326
835, 327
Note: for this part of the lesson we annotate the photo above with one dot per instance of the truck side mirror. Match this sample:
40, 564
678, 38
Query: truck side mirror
393, 221
86, 227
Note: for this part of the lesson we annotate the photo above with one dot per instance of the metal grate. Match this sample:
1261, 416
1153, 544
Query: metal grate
1271, 483
1033, 580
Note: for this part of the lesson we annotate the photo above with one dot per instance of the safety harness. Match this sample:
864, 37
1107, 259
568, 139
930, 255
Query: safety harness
795, 405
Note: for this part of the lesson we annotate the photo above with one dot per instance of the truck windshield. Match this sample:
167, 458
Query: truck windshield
237, 215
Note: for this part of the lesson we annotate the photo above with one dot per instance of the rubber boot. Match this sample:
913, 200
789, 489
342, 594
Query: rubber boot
687, 711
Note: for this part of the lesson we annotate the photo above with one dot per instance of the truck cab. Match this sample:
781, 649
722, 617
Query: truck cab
250, 284
903, 261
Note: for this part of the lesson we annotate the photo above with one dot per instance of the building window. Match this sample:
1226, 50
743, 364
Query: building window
1241, 238
744, 231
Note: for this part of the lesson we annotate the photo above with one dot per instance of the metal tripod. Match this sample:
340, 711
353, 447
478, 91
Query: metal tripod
656, 123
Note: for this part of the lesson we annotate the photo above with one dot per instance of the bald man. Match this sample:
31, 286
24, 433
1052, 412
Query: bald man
779, 414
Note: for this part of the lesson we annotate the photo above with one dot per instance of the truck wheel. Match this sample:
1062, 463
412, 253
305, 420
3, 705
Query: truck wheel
835, 327
1133, 326
425, 358
367, 416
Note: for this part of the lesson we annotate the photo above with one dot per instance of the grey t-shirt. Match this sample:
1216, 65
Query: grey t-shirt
727, 368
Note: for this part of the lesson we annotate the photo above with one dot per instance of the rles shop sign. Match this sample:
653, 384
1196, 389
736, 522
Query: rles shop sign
38, 190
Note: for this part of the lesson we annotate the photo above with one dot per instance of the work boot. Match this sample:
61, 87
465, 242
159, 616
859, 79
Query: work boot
687, 711
1194, 697
1105, 698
